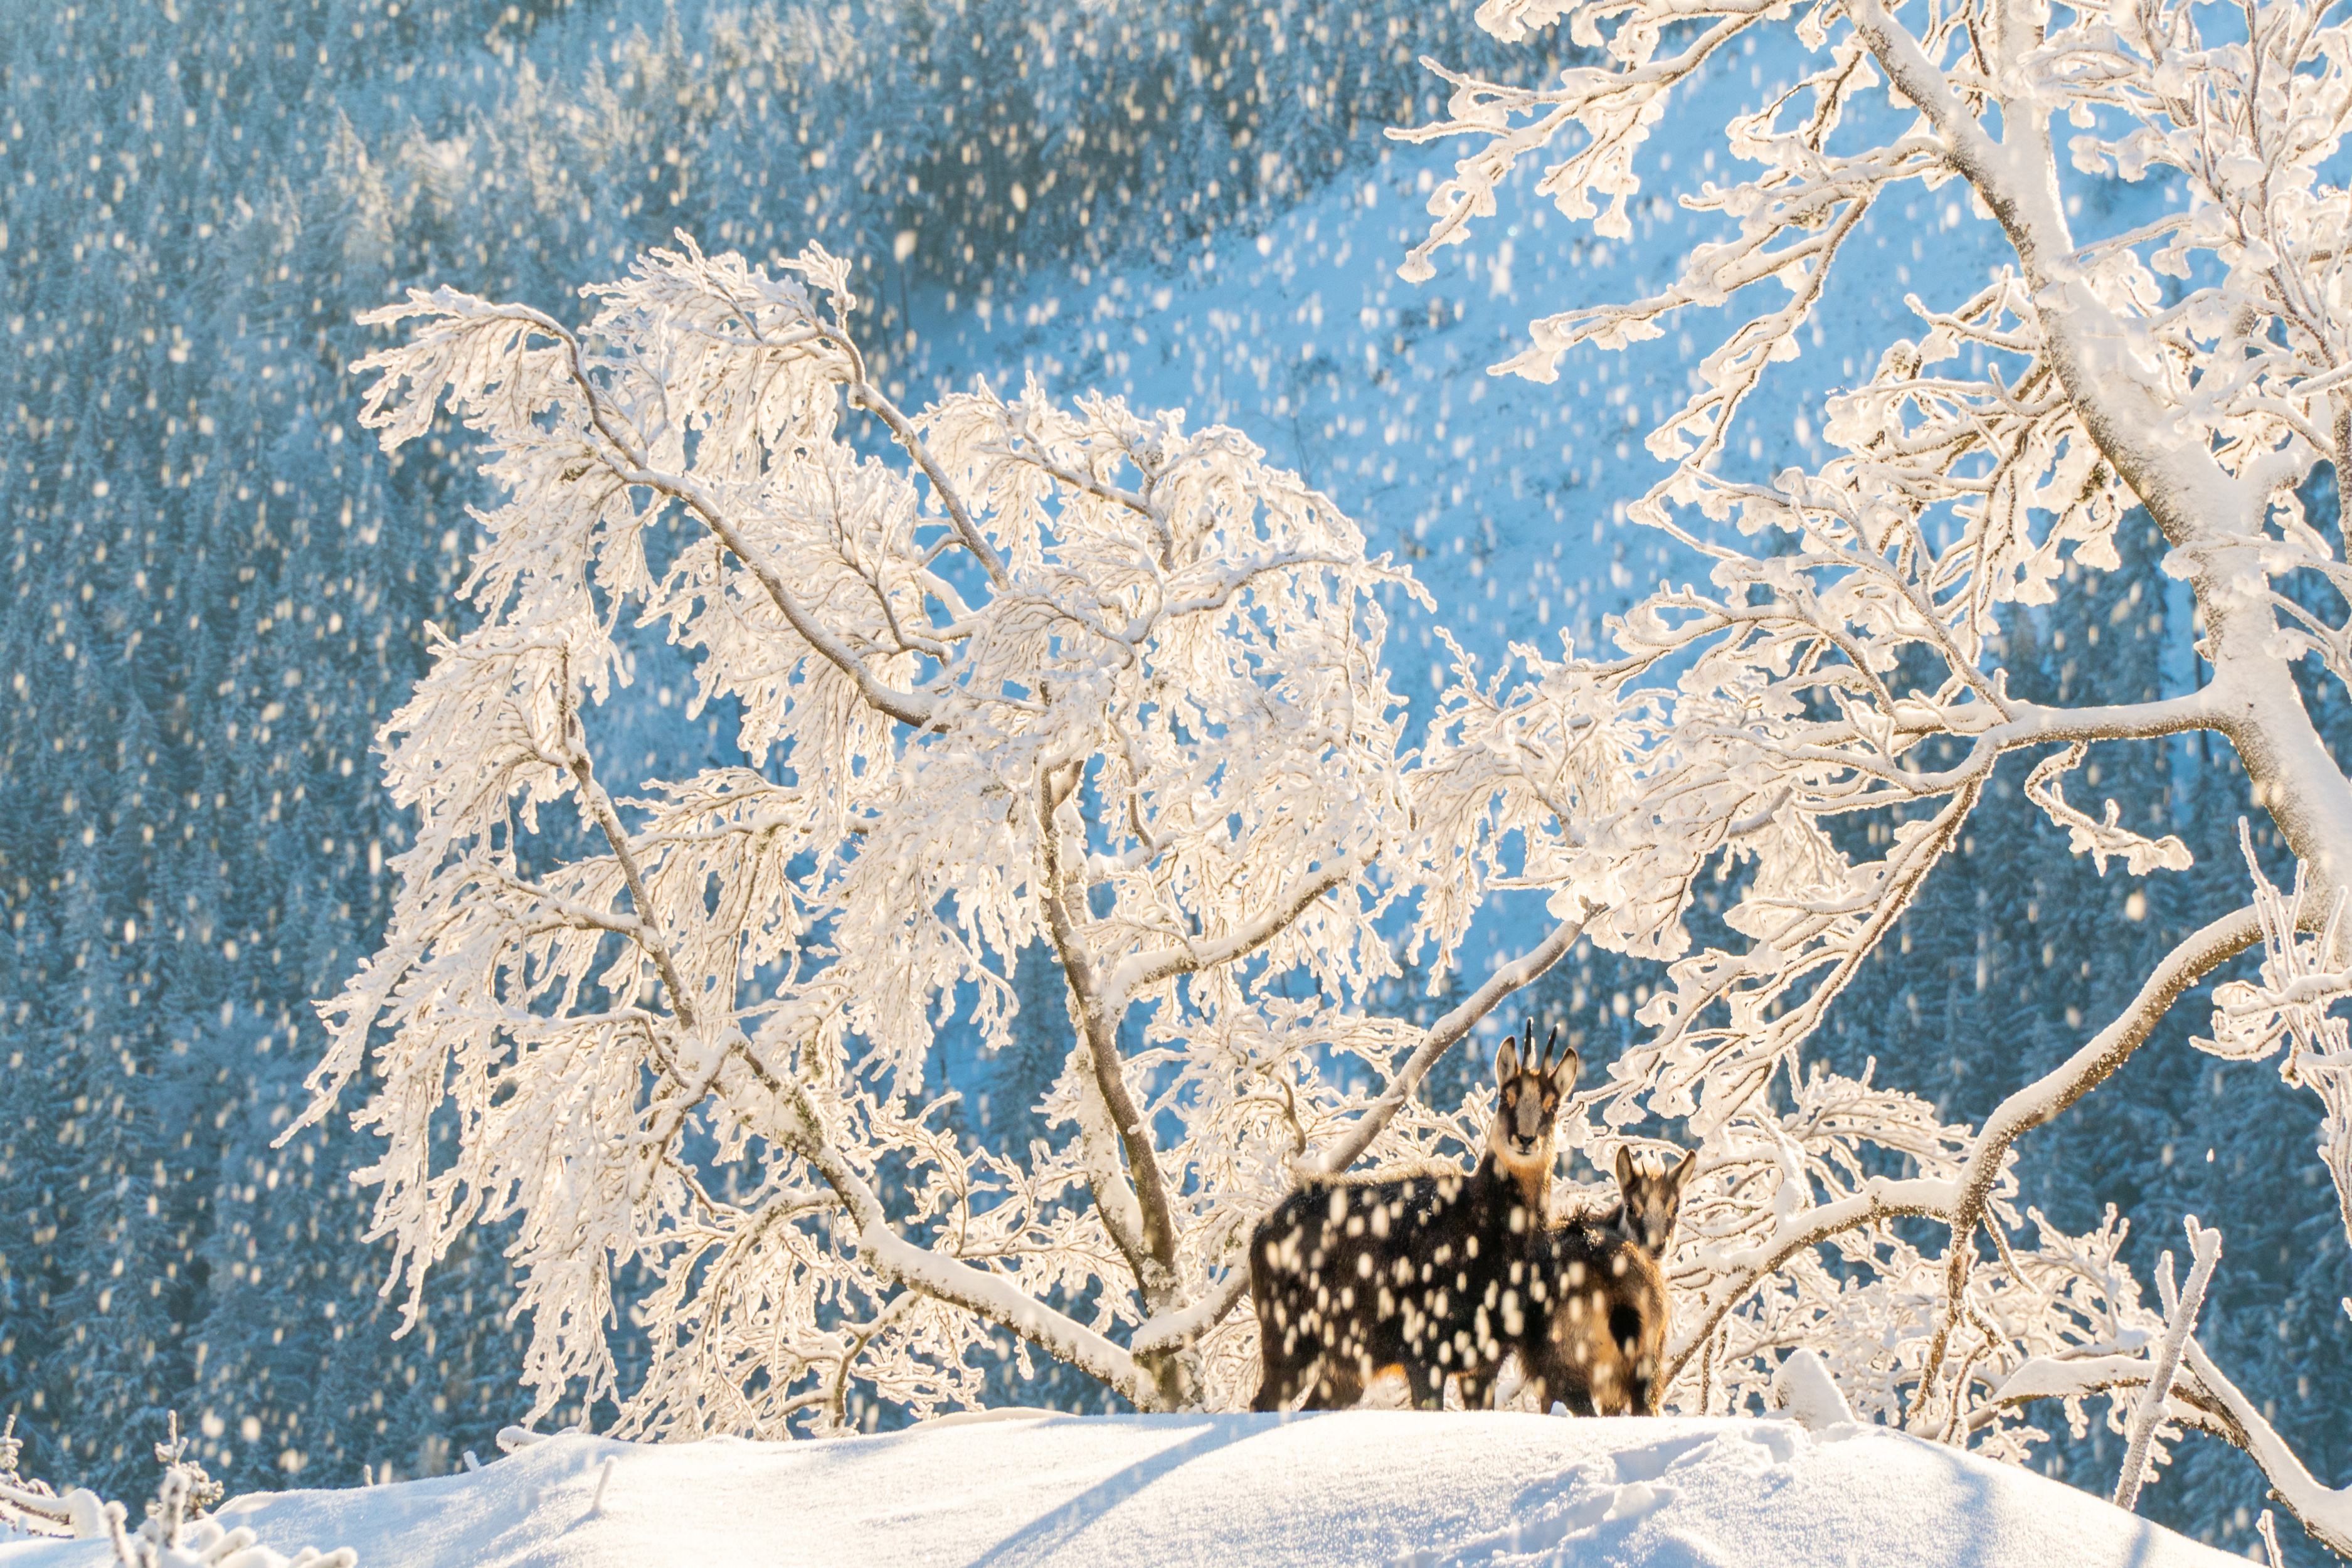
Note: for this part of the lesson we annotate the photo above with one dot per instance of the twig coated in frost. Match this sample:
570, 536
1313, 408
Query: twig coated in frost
604, 1476
2180, 1321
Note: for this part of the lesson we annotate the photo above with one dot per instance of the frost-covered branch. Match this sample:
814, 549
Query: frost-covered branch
2047, 1097
37, 1510
2293, 1003
1133, 1198
2325, 1511
986, 1295
484, 355
2180, 1319
2205, 1398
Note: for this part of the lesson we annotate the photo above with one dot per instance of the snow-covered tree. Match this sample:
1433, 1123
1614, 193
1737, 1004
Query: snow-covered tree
214, 589
1023, 675
1803, 735
1033, 675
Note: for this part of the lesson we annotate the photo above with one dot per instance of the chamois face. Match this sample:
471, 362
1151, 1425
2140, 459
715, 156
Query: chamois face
1528, 1102
1652, 1199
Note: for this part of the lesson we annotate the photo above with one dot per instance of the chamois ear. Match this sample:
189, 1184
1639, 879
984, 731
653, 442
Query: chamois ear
1563, 1071
1680, 1175
1506, 1061
1625, 1171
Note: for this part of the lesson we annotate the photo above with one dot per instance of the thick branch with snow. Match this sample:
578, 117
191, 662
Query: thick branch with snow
1796, 737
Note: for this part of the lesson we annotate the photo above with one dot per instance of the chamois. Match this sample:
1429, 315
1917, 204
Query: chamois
1352, 1277
1595, 1334
1601, 1300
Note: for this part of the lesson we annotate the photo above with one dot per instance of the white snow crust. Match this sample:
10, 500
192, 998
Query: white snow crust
1315, 1492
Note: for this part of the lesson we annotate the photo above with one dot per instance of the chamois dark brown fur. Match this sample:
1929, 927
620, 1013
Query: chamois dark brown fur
1599, 1339
1595, 1332
1424, 1272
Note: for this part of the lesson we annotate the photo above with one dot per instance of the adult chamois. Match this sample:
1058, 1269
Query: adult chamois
1428, 1272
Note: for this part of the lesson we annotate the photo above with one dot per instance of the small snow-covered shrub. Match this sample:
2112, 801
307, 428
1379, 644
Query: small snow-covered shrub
176, 1532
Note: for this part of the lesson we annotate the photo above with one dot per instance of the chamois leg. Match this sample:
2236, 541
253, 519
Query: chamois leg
1277, 1387
1477, 1390
1570, 1392
1339, 1384
1280, 1364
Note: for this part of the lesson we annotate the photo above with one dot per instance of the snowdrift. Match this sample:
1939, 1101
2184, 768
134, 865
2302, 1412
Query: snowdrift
1314, 1492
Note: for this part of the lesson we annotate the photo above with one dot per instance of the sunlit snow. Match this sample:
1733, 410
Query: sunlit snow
1324, 1491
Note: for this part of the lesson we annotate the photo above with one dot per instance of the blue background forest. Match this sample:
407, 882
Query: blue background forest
217, 590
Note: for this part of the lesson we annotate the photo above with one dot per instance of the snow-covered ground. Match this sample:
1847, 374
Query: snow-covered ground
1315, 1492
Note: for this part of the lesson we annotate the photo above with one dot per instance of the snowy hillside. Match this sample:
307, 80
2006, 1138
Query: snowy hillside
1360, 1487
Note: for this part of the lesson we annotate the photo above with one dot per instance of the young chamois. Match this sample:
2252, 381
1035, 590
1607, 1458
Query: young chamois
1596, 1339
1426, 1272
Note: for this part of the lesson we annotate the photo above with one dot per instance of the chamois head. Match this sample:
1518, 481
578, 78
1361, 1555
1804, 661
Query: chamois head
1528, 1097
1650, 1199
